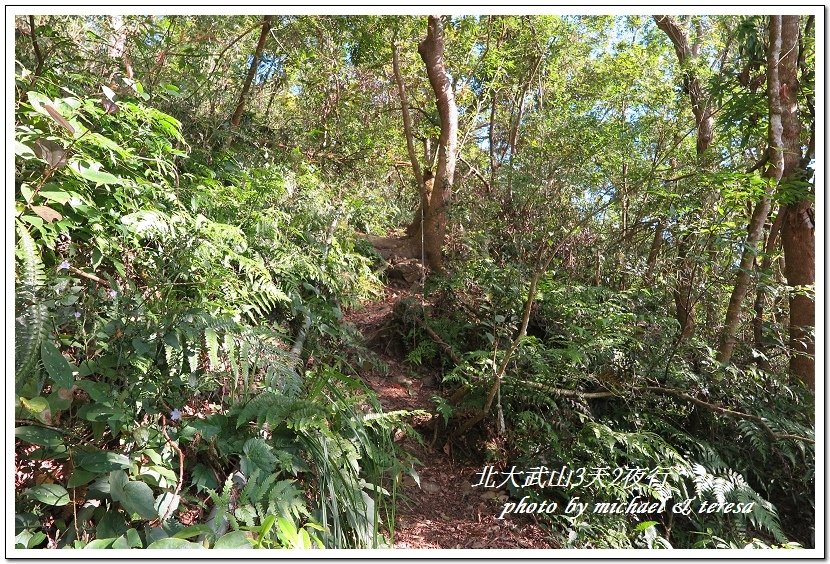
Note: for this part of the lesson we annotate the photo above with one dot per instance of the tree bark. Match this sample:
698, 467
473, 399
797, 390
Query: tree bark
798, 226
798, 240
35, 48
784, 132
705, 124
407, 120
240, 106
733, 312
118, 44
654, 250
434, 228
760, 294
684, 305
414, 228
686, 53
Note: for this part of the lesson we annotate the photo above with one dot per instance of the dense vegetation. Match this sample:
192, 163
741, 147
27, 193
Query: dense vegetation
616, 219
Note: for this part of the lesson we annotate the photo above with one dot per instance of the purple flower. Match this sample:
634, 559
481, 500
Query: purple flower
77, 315
64, 265
112, 293
175, 415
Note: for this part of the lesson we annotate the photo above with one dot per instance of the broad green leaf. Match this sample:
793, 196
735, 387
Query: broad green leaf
118, 479
60, 399
28, 539
171, 89
203, 478
37, 101
157, 472
236, 539
39, 436
80, 477
128, 540
50, 494
58, 196
56, 365
138, 498
98, 391
173, 542
192, 531
93, 173
22, 150
38, 406
100, 461
100, 544
101, 413
133, 539
27, 193
166, 503
24, 521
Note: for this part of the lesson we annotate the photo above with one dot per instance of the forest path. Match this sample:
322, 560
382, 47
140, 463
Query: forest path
446, 511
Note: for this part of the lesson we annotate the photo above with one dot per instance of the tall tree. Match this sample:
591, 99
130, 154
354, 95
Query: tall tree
240, 106
798, 228
410, 140
784, 155
434, 225
687, 53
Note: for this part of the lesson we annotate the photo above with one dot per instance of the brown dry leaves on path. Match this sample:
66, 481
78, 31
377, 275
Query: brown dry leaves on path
446, 511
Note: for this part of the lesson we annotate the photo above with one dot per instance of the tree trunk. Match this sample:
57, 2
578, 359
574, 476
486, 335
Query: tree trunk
798, 225
434, 227
733, 311
684, 305
686, 53
798, 240
654, 250
414, 228
240, 106
785, 153
118, 44
760, 295
705, 123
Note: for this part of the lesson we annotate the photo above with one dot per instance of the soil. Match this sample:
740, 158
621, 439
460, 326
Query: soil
445, 510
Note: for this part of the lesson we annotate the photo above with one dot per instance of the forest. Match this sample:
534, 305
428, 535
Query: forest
414, 282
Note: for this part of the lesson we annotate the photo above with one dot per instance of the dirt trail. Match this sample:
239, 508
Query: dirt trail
445, 511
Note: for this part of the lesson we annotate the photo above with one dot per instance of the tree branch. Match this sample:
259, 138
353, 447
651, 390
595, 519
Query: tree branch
36, 47
407, 123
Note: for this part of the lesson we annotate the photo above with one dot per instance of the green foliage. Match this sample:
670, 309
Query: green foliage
177, 292
180, 282
30, 312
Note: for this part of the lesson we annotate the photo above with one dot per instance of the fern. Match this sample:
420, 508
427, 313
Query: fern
732, 487
266, 495
31, 311
222, 505
274, 410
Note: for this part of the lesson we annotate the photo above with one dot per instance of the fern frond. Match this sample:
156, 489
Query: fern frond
31, 311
